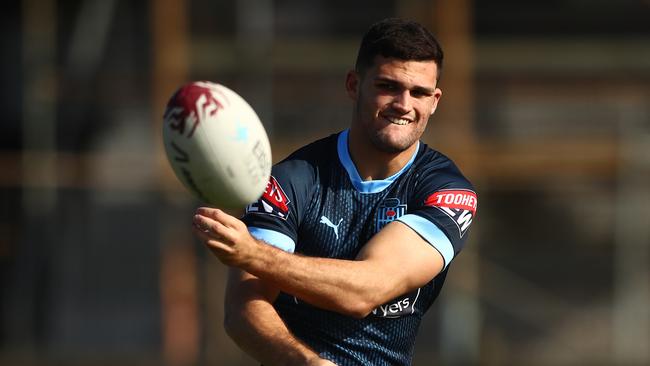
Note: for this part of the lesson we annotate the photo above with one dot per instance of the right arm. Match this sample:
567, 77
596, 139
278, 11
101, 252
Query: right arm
253, 323
251, 320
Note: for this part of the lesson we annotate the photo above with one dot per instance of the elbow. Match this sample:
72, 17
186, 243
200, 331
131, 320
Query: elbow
365, 303
229, 325
360, 313
357, 309
232, 324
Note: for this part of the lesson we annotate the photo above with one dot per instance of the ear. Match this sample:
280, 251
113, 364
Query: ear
436, 98
352, 81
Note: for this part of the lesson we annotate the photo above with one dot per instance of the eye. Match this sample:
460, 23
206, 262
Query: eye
418, 93
386, 86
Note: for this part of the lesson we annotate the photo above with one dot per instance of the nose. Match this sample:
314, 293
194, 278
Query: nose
402, 102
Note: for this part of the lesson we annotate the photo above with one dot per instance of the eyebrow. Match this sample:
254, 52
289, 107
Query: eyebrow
418, 88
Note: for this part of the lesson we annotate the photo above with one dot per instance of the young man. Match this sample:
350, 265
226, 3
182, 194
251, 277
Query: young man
351, 242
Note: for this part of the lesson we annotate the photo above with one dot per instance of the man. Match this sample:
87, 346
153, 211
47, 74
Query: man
351, 242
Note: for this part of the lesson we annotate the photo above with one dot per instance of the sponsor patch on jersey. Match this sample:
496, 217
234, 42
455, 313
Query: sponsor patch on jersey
389, 211
459, 204
273, 202
399, 307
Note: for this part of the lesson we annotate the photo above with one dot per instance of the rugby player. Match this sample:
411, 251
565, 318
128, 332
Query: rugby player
351, 242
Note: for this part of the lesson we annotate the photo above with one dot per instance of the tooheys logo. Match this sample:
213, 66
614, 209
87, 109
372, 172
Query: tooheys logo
273, 202
459, 204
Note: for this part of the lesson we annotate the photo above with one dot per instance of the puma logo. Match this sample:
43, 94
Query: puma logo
326, 221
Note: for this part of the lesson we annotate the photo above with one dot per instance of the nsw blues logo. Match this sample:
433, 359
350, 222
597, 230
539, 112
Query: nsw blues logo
389, 211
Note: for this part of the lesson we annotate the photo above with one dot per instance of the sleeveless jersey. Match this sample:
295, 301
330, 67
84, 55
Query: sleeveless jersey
317, 205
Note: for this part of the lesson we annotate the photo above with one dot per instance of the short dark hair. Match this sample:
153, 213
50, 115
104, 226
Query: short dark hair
401, 39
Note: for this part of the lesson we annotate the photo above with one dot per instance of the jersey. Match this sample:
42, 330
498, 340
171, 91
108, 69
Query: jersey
316, 204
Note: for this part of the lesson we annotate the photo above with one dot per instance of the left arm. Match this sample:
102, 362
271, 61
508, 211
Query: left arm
395, 261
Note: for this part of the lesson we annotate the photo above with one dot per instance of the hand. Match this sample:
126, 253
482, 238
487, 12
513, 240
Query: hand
226, 236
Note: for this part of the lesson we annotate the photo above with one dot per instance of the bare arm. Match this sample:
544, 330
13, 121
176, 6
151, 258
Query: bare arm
252, 322
395, 261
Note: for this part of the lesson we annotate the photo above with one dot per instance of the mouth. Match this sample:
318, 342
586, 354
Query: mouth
397, 120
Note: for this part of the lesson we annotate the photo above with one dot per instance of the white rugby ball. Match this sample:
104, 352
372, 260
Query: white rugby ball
216, 145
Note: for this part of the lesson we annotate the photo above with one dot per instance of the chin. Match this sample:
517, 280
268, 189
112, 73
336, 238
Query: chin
390, 145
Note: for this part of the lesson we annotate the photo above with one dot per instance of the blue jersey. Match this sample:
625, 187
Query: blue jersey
316, 204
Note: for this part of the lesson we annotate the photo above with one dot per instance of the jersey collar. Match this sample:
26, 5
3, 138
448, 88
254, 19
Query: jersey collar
371, 186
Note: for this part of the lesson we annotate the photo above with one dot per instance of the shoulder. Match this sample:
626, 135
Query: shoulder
298, 175
313, 153
442, 202
436, 169
305, 162
288, 193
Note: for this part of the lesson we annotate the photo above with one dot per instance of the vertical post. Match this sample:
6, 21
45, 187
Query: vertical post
631, 316
255, 37
28, 318
178, 279
39, 107
452, 21
170, 64
452, 130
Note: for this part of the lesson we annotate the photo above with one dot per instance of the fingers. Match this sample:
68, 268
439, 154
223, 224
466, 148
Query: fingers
211, 241
221, 250
202, 222
208, 211
225, 235
209, 225
219, 215
203, 234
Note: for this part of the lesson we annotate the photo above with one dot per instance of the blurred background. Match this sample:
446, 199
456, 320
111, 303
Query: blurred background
546, 108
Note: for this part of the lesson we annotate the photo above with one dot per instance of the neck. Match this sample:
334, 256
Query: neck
372, 163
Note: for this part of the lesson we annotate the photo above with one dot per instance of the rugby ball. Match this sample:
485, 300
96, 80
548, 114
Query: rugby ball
216, 145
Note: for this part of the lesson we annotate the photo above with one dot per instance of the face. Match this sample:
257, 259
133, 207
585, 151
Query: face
393, 101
